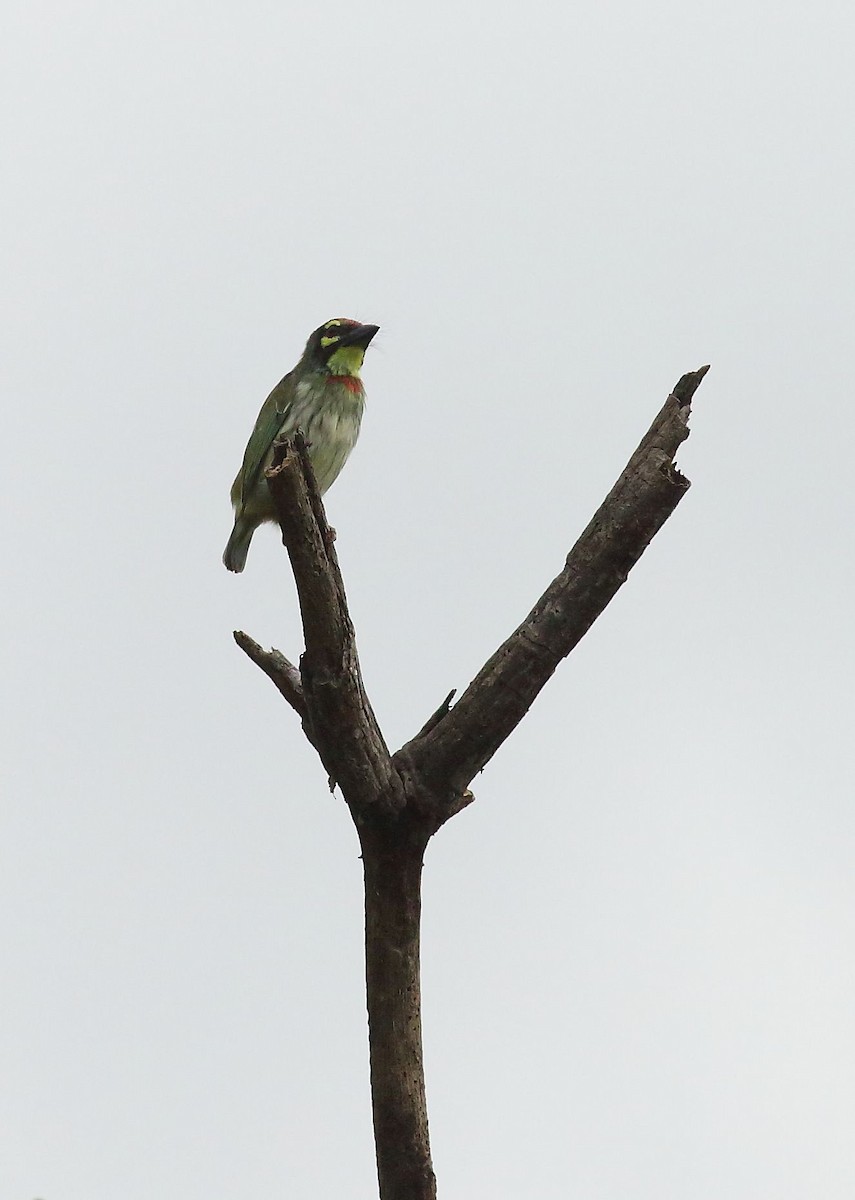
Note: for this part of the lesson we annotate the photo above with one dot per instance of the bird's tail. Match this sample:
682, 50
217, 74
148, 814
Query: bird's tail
237, 546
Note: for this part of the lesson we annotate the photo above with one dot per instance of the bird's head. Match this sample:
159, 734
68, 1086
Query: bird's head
338, 346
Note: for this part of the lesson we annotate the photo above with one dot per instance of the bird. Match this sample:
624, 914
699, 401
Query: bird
323, 397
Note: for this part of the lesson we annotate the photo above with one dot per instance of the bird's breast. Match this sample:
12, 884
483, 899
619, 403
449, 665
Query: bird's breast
329, 415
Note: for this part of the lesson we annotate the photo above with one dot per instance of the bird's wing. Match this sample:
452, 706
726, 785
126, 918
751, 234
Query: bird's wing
274, 412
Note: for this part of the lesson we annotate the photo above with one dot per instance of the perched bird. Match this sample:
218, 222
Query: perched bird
323, 397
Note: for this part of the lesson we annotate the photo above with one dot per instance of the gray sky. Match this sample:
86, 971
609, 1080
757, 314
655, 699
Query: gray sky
638, 948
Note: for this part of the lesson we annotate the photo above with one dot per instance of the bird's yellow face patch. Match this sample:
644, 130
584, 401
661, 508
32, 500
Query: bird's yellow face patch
346, 361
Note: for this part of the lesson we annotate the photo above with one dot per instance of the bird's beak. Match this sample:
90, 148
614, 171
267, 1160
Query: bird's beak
360, 335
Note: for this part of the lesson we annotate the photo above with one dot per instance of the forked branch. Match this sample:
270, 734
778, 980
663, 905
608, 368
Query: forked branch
398, 801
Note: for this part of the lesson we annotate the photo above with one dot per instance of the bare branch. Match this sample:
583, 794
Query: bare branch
278, 668
449, 755
287, 679
341, 719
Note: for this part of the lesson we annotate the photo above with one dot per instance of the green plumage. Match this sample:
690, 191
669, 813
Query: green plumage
323, 397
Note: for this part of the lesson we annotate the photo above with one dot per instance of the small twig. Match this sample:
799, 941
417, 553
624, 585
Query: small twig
286, 677
278, 668
435, 717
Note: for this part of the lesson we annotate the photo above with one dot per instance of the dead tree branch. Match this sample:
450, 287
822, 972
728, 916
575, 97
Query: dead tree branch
399, 801
277, 668
342, 721
451, 753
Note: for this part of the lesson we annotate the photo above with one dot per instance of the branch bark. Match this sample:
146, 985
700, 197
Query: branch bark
277, 668
392, 860
341, 718
648, 490
399, 801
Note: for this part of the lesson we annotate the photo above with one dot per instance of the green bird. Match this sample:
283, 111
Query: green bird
323, 397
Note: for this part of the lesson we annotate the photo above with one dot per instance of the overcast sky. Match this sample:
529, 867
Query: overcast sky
639, 962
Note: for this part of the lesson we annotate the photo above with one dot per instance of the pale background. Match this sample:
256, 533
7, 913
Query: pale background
639, 943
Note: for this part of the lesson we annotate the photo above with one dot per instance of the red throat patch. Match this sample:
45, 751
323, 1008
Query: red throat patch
350, 382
